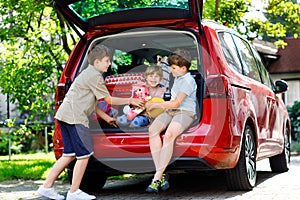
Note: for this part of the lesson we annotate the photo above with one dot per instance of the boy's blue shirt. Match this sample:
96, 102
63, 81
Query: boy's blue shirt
187, 85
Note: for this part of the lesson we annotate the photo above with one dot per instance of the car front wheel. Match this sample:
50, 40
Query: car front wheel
243, 175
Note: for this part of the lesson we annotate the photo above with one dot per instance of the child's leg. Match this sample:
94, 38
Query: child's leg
180, 122
79, 169
159, 124
57, 168
67, 157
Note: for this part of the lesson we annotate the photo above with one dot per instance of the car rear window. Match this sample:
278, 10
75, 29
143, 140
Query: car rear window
134, 50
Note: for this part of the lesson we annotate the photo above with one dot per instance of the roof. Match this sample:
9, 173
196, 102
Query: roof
264, 47
289, 61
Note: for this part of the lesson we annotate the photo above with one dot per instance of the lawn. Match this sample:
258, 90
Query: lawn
34, 166
26, 166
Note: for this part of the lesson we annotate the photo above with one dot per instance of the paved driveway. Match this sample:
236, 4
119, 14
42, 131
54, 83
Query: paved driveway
183, 186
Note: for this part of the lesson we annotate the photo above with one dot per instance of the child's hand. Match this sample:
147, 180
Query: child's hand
112, 122
136, 102
149, 105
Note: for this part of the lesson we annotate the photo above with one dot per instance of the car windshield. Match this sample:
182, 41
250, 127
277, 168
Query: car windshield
87, 9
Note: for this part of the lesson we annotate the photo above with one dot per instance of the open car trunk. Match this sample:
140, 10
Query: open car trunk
133, 51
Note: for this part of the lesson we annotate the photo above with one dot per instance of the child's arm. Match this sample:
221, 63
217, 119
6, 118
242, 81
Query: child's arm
122, 101
175, 103
110, 120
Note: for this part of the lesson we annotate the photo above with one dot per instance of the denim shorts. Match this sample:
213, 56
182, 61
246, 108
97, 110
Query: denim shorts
77, 140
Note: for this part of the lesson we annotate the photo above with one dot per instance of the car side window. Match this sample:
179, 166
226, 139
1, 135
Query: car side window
229, 51
266, 80
121, 60
248, 61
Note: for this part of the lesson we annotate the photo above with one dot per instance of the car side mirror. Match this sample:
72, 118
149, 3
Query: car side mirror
280, 86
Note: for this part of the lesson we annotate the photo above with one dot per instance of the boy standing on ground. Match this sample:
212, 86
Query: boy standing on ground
180, 114
72, 115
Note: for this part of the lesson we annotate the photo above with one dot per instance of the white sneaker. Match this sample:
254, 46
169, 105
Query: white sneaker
49, 193
79, 195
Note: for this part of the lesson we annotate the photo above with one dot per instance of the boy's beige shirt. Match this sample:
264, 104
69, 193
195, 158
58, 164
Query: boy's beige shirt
82, 97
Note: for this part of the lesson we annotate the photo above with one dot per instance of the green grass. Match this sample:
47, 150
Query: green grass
26, 166
34, 166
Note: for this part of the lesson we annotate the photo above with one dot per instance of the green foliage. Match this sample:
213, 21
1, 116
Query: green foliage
122, 58
92, 8
296, 147
287, 12
209, 10
11, 135
294, 113
24, 138
32, 53
283, 18
231, 12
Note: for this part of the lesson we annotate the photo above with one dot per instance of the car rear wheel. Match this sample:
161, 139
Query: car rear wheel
91, 181
243, 175
281, 162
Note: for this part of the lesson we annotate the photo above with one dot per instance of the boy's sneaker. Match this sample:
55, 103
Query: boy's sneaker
154, 186
164, 183
79, 195
49, 193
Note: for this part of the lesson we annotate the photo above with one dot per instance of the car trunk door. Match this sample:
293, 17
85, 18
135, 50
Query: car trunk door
92, 15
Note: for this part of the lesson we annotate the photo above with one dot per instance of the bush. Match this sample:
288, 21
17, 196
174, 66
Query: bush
16, 147
297, 147
294, 113
24, 139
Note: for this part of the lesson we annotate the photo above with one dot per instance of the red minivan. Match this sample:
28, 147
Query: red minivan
241, 117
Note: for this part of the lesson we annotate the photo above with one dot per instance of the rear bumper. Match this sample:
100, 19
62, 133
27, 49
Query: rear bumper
114, 166
119, 153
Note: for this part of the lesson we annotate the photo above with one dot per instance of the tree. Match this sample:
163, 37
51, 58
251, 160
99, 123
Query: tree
226, 12
282, 18
35, 43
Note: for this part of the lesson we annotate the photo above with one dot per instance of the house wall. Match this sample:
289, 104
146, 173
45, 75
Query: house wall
293, 81
3, 109
287, 67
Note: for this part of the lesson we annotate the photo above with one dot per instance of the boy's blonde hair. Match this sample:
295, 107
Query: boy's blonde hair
154, 69
98, 52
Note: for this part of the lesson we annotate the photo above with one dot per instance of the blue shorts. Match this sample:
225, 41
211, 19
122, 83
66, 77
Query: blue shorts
77, 140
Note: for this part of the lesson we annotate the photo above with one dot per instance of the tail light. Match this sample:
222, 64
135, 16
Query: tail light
57, 138
217, 86
60, 94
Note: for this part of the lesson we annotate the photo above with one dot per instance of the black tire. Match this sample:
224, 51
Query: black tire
91, 181
281, 162
243, 175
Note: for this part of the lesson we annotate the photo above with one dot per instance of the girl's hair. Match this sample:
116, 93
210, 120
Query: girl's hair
154, 69
180, 58
98, 52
